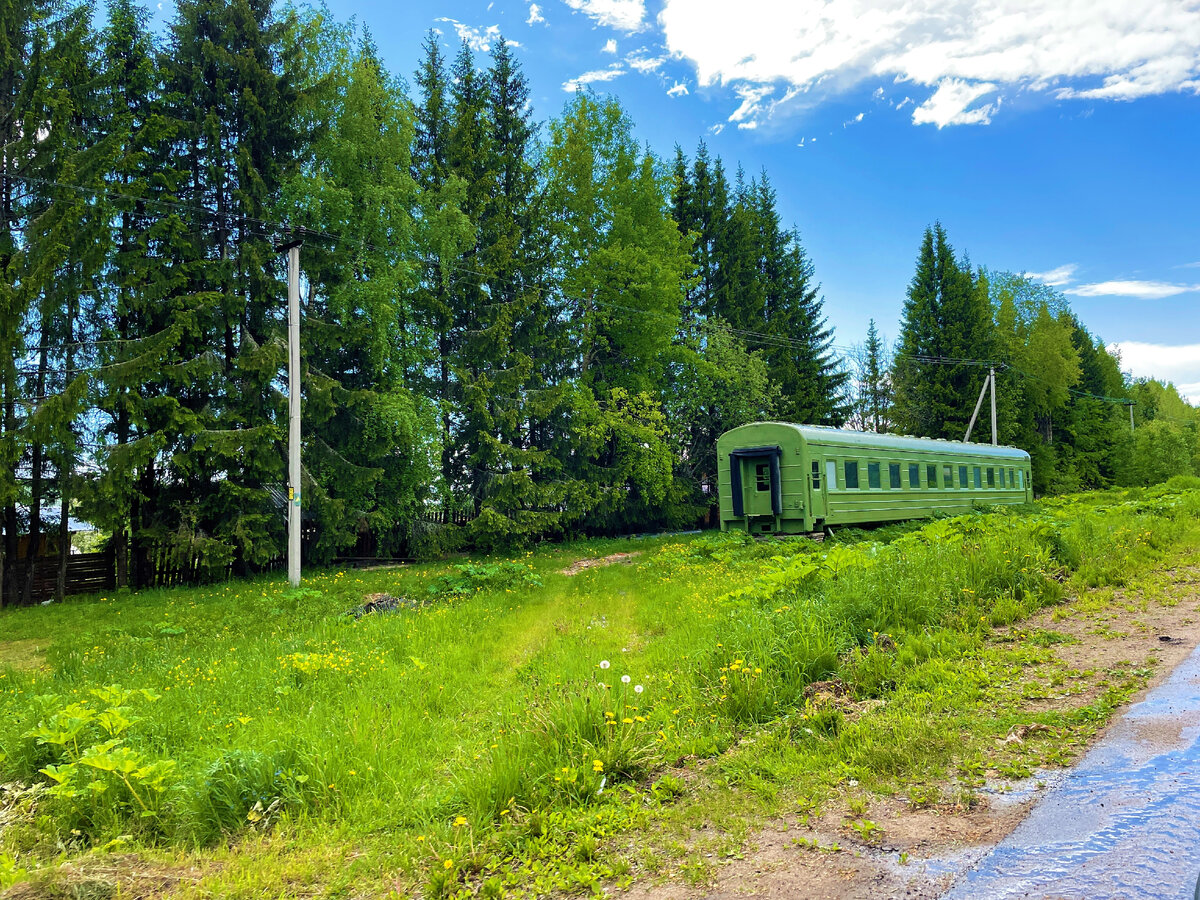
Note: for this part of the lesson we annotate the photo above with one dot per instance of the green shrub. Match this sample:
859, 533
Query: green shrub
468, 578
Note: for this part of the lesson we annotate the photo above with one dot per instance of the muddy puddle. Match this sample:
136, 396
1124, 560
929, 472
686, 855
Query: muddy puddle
1123, 823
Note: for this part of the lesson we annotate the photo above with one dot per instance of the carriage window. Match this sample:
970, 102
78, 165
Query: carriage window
1012, 478
851, 474
816, 475
1021, 479
978, 477
991, 478
931, 476
1001, 471
962, 476
830, 475
873, 475
894, 475
914, 475
948, 476
762, 477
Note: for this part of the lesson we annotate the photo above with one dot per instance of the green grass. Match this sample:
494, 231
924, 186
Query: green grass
478, 745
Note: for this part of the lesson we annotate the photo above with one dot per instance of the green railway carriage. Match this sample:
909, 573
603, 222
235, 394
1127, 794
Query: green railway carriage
780, 478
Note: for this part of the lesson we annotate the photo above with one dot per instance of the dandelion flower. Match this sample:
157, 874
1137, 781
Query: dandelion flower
461, 820
604, 663
449, 863
638, 689
625, 679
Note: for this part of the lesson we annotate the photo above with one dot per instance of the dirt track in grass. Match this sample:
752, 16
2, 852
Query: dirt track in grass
1153, 624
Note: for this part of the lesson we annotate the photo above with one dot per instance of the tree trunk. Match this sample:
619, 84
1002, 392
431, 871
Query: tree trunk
10, 553
124, 518
64, 474
35, 485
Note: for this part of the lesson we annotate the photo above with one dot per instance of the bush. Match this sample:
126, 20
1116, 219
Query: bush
469, 578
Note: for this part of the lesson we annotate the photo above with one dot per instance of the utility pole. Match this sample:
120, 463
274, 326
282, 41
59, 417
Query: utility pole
992, 379
978, 406
1131, 418
294, 507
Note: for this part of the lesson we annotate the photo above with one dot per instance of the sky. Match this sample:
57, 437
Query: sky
1060, 138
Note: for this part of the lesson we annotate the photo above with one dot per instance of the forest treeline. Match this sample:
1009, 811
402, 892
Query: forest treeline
511, 330
1060, 393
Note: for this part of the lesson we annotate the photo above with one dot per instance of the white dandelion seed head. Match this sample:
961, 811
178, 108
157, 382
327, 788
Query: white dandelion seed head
638, 689
604, 663
625, 679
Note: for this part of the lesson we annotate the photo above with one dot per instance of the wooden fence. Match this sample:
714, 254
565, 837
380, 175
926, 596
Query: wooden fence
86, 574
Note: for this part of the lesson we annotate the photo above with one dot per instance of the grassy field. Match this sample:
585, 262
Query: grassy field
511, 730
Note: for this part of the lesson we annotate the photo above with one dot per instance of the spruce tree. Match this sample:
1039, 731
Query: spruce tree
232, 94
709, 214
516, 399
872, 388
446, 234
947, 318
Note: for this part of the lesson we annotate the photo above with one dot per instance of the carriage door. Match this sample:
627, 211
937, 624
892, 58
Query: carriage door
757, 478
818, 484
755, 482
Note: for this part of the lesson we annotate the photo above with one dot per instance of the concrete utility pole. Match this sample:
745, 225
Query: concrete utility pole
1131, 418
294, 507
978, 406
992, 378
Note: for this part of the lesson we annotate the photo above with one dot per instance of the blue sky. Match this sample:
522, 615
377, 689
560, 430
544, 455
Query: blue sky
1059, 137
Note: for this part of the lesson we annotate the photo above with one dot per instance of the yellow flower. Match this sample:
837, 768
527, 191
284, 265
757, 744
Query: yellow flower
597, 765
461, 820
627, 720
449, 863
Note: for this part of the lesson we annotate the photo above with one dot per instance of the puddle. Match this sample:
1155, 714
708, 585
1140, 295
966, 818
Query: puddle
1123, 823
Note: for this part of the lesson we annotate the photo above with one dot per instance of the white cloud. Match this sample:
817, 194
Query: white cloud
678, 90
574, 84
959, 49
752, 102
1142, 290
640, 62
853, 121
949, 104
1195, 265
609, 47
1058, 277
535, 15
1179, 363
623, 15
478, 37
